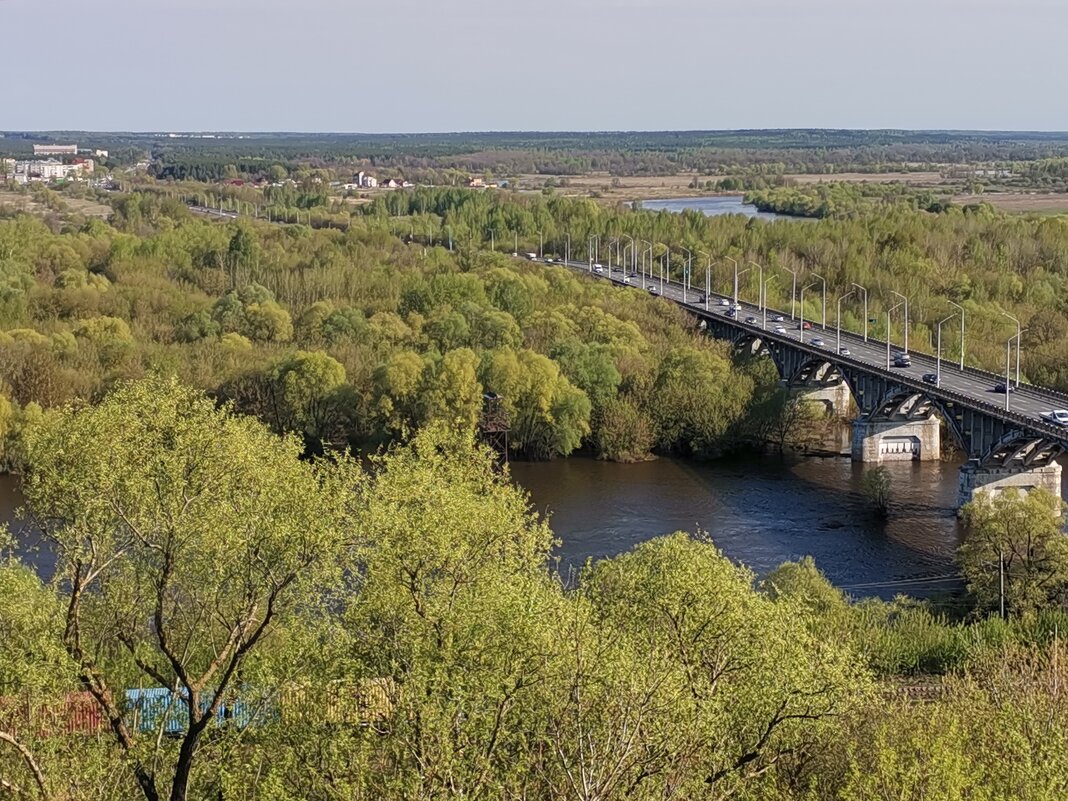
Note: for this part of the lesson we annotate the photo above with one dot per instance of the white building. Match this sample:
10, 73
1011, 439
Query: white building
27, 172
365, 181
55, 150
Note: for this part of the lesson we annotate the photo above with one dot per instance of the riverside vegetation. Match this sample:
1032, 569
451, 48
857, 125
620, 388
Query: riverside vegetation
206, 551
198, 551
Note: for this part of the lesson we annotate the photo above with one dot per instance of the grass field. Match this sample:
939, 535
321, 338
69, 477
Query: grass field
26, 203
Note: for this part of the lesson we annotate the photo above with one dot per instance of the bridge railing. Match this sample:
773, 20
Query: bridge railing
1029, 389
1034, 424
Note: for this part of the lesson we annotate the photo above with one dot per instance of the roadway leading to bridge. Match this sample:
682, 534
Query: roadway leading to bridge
1029, 400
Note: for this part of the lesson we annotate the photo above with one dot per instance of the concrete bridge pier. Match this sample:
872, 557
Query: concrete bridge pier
897, 440
836, 398
976, 480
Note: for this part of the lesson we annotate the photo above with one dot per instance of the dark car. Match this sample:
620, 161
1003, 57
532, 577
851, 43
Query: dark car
931, 378
1002, 387
751, 320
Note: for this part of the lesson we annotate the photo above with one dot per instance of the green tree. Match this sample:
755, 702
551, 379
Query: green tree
309, 390
183, 535
1018, 536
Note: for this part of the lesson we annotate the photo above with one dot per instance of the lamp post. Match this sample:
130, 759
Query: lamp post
567, 250
1008, 361
708, 274
686, 273
802, 329
865, 291
824, 280
961, 310
1019, 342
623, 263
938, 350
838, 322
768, 281
736, 274
793, 291
760, 284
888, 311
906, 302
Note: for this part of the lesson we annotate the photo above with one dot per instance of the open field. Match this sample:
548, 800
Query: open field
911, 178
657, 187
1019, 201
27, 203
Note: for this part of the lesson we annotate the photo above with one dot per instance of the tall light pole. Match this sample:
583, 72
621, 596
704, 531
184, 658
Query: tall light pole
865, 291
906, 302
541, 245
708, 274
760, 284
662, 273
1019, 342
793, 291
802, 329
686, 273
736, 274
768, 281
888, 312
1008, 361
938, 350
623, 263
961, 310
567, 251
838, 322
824, 280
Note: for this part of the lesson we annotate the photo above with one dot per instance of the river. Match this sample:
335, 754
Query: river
712, 206
760, 511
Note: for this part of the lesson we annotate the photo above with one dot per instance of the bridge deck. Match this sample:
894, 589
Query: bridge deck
970, 388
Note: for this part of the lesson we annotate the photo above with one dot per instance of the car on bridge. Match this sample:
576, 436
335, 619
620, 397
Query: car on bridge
931, 378
805, 326
1059, 417
778, 318
780, 329
1003, 388
818, 342
844, 352
724, 302
597, 268
902, 360
750, 320
653, 290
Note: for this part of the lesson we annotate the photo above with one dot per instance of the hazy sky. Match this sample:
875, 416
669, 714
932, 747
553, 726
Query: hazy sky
448, 65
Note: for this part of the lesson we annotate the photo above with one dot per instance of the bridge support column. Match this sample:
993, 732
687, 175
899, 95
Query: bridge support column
975, 480
897, 440
835, 397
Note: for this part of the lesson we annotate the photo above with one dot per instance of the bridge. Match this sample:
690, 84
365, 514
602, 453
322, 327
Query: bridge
1007, 441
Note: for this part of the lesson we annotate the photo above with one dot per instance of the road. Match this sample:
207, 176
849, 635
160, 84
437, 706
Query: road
1029, 401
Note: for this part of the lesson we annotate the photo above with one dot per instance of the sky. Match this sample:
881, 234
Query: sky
376, 66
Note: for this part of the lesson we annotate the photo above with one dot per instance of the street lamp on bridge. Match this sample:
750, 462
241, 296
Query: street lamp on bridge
938, 350
838, 322
708, 275
768, 281
824, 280
961, 309
736, 274
906, 302
1008, 360
1019, 342
888, 313
760, 284
865, 291
806, 286
793, 289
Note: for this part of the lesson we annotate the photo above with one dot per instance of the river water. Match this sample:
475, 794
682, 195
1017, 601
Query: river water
713, 206
760, 511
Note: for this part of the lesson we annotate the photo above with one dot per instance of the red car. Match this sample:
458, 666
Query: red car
805, 325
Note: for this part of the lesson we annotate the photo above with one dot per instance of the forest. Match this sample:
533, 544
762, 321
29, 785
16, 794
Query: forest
443, 157
230, 620
287, 569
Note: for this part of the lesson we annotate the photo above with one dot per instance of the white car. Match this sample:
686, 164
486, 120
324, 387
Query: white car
597, 268
780, 329
777, 319
724, 302
1058, 417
